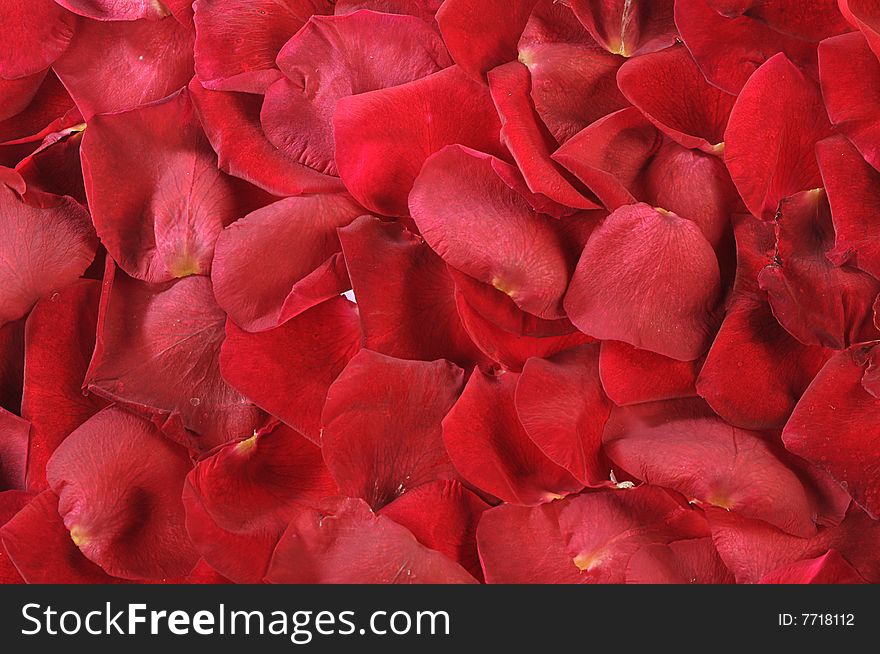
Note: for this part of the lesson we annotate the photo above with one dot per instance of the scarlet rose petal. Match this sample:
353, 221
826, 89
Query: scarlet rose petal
105, 473
673, 316
287, 370
491, 450
693, 561
14, 440
116, 9
628, 28
830, 568
632, 376
381, 145
381, 425
35, 35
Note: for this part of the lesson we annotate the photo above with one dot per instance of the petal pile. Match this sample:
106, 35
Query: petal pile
440, 291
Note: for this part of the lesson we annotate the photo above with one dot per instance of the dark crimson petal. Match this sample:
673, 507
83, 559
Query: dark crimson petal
729, 50
43, 115
572, 85
287, 370
561, 406
609, 155
405, 294
752, 345
381, 143
460, 204
55, 167
294, 244
671, 91
528, 139
14, 440
239, 500
118, 481
11, 365
608, 298
232, 124
850, 77
693, 561
114, 66
632, 376
117, 9
333, 57
682, 445
853, 189
345, 542
482, 34
833, 425
237, 40
628, 28
511, 349
752, 548
41, 549
443, 516
42, 249
160, 220
381, 432
11, 502
830, 568
35, 34
817, 302
694, 185
524, 545
491, 450
60, 338
778, 160
157, 352
808, 19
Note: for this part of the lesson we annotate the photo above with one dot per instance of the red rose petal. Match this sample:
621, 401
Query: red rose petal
14, 440
381, 145
752, 548
240, 499
672, 93
682, 445
157, 352
405, 295
528, 139
114, 66
347, 543
817, 302
162, 219
443, 516
11, 365
527, 261
752, 345
632, 376
49, 105
728, 50
117, 9
237, 40
482, 34
41, 549
105, 474
424, 9
287, 370
837, 403
609, 155
674, 315
232, 124
850, 74
11, 502
864, 14
693, 561
830, 568
43, 249
17, 94
776, 161
35, 35
491, 450
627, 28
294, 244
561, 406
334, 57
60, 338
381, 425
